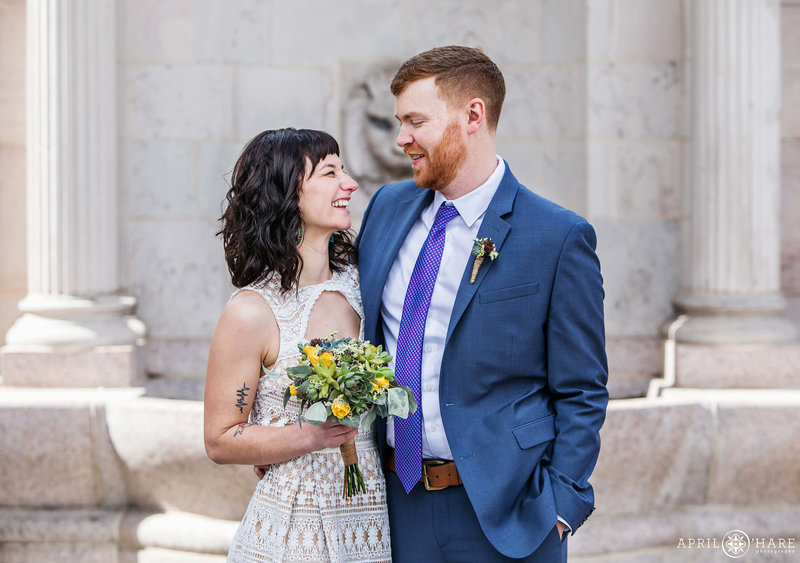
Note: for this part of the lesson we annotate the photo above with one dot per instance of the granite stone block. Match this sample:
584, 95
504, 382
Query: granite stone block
323, 32
157, 177
272, 98
12, 77
657, 470
790, 39
235, 31
648, 30
639, 276
563, 31
178, 358
212, 176
160, 443
157, 30
634, 100
756, 456
180, 102
102, 366
648, 180
543, 102
507, 32
179, 275
742, 366
790, 107
48, 456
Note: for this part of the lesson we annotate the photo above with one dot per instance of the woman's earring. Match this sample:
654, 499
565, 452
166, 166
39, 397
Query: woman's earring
299, 236
332, 240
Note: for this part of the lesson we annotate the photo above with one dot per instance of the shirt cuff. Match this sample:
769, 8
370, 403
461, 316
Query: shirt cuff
569, 528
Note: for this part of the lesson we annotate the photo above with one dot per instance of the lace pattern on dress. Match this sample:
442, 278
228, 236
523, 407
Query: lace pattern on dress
297, 512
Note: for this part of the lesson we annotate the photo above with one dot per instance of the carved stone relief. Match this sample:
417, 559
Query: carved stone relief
369, 132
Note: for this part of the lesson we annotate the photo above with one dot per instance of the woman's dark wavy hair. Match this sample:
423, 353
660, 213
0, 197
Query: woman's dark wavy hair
262, 219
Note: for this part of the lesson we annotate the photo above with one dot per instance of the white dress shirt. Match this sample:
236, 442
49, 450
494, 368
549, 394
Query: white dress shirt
459, 239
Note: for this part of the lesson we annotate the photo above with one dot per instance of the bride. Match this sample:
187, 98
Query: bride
289, 252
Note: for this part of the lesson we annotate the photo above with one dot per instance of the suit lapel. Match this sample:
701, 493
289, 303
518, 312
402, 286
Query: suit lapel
407, 211
494, 227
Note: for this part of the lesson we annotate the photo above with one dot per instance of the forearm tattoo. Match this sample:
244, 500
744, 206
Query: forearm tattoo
241, 428
240, 395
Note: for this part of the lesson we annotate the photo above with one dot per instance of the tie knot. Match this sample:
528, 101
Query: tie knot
443, 216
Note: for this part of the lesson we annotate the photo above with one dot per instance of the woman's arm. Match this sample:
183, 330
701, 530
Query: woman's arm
246, 338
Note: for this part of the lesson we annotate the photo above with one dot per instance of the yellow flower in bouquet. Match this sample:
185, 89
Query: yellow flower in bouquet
380, 383
312, 357
346, 381
339, 407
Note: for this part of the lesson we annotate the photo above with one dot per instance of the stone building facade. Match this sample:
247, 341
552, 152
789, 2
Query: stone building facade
672, 125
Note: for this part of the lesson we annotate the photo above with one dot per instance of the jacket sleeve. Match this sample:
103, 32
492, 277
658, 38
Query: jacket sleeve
577, 373
365, 217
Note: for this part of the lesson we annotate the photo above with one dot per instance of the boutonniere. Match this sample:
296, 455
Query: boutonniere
483, 247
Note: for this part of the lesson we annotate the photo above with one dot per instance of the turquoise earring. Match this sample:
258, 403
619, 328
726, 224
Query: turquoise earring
332, 239
299, 236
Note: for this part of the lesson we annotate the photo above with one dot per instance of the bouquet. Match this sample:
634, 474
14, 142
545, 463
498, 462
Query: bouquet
346, 381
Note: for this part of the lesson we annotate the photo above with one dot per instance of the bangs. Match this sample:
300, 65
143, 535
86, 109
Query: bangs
317, 145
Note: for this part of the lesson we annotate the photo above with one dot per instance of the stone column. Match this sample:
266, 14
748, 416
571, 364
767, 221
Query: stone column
731, 273
76, 328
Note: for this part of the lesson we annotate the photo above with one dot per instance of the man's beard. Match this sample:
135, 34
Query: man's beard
443, 161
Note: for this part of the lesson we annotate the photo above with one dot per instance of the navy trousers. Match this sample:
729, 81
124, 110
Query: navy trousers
441, 526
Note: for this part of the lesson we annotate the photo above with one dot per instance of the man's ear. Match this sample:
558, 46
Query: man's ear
476, 114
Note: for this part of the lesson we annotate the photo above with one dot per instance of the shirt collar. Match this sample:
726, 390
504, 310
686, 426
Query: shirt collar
473, 205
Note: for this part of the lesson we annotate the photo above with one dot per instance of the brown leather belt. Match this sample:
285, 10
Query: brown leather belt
437, 474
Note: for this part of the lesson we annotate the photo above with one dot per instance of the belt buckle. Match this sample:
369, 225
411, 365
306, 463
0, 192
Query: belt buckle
426, 463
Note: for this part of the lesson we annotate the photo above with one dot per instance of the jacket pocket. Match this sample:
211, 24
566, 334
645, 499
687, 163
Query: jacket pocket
536, 432
508, 292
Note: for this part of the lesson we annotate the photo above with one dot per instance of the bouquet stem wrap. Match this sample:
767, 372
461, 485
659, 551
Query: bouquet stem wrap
353, 480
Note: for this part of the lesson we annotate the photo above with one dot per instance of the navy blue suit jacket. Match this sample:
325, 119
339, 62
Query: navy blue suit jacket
523, 378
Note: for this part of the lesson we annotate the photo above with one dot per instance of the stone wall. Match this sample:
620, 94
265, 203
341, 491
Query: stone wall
790, 155
592, 120
12, 160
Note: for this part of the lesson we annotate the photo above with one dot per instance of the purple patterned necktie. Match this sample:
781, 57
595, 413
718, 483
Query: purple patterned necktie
408, 363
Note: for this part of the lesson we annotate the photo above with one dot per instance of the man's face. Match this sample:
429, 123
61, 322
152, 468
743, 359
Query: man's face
430, 134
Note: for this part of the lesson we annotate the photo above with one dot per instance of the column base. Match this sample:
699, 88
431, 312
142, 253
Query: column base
65, 321
736, 329
748, 350
100, 366
741, 366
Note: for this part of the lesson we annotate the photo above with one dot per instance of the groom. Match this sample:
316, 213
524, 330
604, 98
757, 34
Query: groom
501, 340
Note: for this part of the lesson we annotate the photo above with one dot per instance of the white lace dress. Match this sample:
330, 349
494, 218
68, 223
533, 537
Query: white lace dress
297, 512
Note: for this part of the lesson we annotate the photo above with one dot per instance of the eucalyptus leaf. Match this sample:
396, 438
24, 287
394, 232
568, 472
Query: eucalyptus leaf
299, 370
369, 418
270, 373
350, 421
286, 395
397, 401
412, 402
316, 414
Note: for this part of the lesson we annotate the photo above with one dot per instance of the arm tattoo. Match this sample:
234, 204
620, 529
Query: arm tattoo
242, 426
241, 394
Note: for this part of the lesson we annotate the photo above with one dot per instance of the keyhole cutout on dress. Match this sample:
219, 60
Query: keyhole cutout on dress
332, 312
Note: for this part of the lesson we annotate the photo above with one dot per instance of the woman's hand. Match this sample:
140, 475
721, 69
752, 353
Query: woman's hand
328, 435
